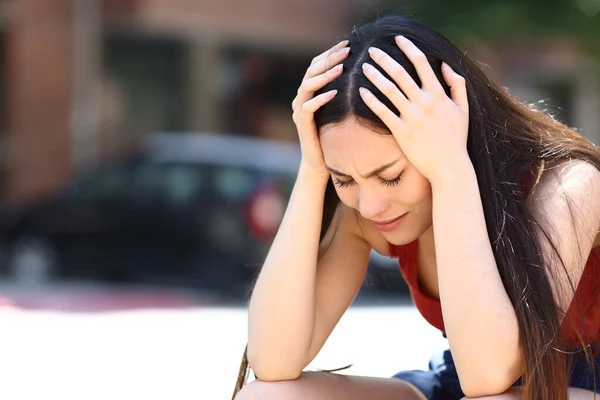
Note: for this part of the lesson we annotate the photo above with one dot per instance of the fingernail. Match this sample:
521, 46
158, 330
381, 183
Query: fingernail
332, 92
374, 50
338, 68
400, 38
363, 91
344, 43
344, 50
367, 67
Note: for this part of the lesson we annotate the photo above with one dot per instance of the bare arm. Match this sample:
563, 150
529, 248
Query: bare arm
467, 269
298, 299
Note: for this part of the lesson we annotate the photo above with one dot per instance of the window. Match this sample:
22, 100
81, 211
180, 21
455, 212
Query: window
109, 184
150, 75
234, 184
168, 184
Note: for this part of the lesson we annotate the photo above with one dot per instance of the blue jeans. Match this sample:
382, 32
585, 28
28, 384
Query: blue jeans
440, 382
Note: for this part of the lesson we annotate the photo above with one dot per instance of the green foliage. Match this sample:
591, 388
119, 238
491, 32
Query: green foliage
498, 20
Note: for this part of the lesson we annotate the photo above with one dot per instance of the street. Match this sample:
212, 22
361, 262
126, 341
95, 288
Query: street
173, 350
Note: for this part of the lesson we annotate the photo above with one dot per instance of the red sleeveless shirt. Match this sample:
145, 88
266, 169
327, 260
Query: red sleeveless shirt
588, 300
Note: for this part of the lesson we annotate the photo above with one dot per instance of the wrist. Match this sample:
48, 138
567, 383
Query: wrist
454, 174
307, 172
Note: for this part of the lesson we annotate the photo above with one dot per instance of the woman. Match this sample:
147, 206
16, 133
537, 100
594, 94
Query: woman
491, 207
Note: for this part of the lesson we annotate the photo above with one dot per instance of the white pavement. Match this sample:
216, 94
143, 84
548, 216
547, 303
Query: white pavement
182, 354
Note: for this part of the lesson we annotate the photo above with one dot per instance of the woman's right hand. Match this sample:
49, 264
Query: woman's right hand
324, 68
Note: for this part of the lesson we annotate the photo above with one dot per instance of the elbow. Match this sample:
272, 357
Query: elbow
269, 369
482, 386
488, 382
275, 375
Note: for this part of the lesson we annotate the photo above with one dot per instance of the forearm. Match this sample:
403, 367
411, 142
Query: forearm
480, 320
282, 309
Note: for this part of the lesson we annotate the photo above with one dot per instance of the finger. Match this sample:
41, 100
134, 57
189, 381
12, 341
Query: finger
309, 86
330, 51
386, 87
397, 73
458, 87
428, 79
311, 106
315, 83
390, 119
327, 62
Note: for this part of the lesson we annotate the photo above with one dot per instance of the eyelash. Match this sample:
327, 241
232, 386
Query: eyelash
384, 182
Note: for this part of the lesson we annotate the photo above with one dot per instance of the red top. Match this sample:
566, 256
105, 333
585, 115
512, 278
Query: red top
586, 294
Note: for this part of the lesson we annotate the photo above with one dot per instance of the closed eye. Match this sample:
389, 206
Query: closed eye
391, 182
385, 182
342, 184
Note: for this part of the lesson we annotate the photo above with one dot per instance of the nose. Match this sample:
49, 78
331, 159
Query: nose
371, 204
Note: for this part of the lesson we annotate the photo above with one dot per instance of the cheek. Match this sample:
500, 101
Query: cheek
414, 194
420, 193
415, 190
348, 196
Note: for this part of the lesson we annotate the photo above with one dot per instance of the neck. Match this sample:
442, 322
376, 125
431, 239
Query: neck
427, 248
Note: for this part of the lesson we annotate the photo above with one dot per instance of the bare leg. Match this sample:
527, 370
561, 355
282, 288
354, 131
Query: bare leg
329, 386
515, 394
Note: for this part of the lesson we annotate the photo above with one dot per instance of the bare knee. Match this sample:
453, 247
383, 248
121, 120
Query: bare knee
259, 390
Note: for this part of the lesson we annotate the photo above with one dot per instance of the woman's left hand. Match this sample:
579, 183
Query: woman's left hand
432, 128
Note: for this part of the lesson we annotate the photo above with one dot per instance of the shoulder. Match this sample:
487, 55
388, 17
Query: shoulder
567, 184
565, 204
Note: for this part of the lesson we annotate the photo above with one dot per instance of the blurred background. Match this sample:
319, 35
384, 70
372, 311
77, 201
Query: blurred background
147, 153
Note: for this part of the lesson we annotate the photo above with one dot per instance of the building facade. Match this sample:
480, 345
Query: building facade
81, 79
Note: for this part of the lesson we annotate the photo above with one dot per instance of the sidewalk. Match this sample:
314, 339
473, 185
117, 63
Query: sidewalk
180, 354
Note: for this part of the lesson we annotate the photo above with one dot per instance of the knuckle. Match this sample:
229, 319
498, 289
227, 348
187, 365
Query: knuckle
428, 103
419, 57
438, 93
397, 71
388, 86
301, 91
305, 108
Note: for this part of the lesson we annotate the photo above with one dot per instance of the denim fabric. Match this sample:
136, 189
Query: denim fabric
440, 382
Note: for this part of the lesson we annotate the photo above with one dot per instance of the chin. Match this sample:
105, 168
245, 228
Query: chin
400, 237
405, 234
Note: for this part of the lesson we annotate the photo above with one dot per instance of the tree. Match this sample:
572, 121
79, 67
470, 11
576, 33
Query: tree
499, 20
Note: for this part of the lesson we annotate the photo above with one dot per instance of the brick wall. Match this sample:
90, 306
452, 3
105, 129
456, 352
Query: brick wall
38, 68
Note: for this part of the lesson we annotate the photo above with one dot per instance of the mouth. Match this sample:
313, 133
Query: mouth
389, 225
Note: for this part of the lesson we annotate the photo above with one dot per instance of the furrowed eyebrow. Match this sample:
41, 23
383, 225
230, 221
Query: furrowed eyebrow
374, 172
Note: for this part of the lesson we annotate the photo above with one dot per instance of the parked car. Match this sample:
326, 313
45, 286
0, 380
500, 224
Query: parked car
187, 209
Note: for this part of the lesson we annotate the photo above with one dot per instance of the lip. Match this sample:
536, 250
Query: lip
390, 225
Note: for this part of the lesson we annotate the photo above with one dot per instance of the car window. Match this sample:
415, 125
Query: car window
170, 184
107, 184
235, 184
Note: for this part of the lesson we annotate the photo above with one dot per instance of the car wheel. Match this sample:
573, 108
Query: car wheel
32, 260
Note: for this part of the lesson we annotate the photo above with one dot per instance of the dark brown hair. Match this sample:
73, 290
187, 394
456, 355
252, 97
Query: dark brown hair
507, 140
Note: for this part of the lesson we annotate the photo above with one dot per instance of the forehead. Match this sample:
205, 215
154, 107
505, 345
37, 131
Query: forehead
351, 140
